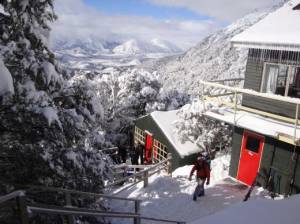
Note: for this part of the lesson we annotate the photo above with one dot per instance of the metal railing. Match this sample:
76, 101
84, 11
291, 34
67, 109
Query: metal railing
20, 199
69, 211
235, 91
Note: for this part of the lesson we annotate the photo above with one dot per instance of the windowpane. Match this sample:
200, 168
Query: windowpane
294, 84
252, 144
275, 79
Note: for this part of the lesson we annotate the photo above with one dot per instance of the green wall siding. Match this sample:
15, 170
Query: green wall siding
236, 151
253, 80
278, 156
147, 123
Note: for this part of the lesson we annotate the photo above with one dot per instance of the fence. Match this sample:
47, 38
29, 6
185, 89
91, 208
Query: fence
141, 172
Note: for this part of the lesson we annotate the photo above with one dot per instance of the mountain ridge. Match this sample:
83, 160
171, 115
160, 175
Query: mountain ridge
214, 58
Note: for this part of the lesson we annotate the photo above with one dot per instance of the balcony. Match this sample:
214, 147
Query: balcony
231, 110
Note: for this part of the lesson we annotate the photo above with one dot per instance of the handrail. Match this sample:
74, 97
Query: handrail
11, 196
253, 93
79, 211
227, 80
162, 220
109, 149
93, 213
82, 193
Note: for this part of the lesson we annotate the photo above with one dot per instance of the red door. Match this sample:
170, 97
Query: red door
251, 152
148, 147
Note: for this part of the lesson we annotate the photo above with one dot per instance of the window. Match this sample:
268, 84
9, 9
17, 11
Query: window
294, 83
252, 144
139, 136
282, 80
160, 151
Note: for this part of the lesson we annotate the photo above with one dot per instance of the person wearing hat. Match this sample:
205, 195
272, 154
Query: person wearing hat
202, 174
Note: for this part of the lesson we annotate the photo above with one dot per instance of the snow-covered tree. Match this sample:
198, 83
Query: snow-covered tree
168, 100
207, 133
46, 123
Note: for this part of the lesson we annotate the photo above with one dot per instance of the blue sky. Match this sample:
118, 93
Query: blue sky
144, 8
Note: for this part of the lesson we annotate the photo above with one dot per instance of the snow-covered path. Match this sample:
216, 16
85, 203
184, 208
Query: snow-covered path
171, 197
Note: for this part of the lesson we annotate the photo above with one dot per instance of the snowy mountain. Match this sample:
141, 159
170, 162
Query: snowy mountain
83, 47
133, 47
94, 47
212, 59
94, 54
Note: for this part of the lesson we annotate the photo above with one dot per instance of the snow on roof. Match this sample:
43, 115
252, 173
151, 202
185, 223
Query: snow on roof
253, 122
280, 30
165, 120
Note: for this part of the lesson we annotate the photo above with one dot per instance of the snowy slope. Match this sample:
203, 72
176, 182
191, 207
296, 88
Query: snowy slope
213, 58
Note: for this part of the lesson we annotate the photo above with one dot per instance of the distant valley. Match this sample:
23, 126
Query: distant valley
93, 54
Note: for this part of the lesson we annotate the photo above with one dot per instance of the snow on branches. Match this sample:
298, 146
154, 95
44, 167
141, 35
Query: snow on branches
207, 133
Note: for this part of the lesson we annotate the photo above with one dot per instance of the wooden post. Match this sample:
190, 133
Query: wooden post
134, 175
70, 218
146, 176
169, 164
21, 202
137, 220
296, 124
235, 106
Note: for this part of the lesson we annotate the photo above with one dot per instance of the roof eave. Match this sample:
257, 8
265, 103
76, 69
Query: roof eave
267, 46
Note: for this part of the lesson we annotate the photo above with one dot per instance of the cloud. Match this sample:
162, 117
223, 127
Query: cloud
224, 10
77, 20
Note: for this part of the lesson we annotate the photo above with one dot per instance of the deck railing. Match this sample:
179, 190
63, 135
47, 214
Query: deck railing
235, 105
141, 172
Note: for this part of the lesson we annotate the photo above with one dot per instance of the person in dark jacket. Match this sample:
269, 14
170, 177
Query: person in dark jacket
134, 156
202, 174
140, 152
122, 151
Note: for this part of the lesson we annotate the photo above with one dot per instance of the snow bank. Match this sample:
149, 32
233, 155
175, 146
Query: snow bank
260, 211
219, 169
6, 81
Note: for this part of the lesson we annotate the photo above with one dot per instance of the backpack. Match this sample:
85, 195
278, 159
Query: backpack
205, 161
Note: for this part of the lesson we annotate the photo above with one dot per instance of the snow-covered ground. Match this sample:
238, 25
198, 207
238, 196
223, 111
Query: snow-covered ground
171, 197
